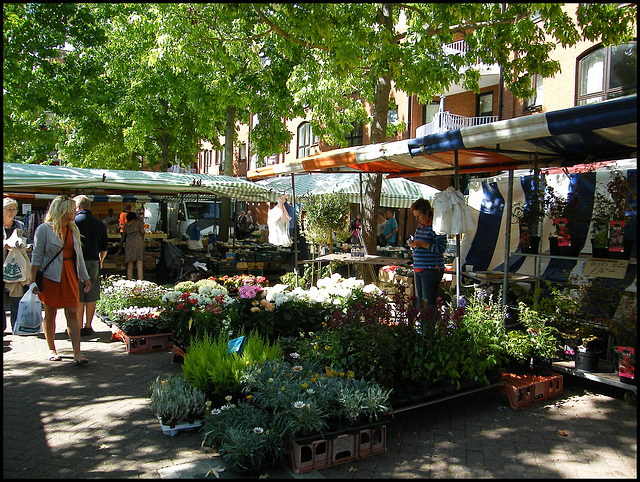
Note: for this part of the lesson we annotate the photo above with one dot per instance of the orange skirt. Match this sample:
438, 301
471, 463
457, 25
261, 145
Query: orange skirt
65, 294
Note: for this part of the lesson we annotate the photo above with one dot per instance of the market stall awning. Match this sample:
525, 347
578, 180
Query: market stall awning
57, 179
596, 132
396, 193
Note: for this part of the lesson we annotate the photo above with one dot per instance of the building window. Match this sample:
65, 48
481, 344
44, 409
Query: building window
392, 115
354, 138
607, 73
221, 157
485, 104
306, 139
534, 102
429, 111
243, 152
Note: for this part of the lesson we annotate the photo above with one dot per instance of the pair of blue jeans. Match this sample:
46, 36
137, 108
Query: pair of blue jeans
427, 282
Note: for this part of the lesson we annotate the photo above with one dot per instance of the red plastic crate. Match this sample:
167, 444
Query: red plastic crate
308, 457
143, 343
343, 448
371, 441
525, 390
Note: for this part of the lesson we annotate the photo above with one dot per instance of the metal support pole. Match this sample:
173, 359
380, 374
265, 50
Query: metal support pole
507, 242
458, 262
295, 229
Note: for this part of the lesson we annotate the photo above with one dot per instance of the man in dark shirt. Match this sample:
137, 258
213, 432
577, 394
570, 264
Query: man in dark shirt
94, 248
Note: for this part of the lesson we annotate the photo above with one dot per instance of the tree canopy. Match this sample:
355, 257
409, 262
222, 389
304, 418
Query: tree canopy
153, 80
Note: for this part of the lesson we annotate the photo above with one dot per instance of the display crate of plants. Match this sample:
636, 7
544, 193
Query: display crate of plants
143, 343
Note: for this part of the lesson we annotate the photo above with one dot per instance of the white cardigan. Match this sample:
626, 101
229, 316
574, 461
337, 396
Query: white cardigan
46, 245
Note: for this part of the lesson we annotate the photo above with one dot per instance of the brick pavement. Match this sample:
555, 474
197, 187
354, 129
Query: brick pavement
93, 421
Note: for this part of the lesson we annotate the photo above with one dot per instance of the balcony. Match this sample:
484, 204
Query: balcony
445, 121
489, 74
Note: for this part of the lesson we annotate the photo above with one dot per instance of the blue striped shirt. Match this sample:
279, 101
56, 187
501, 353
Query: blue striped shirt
433, 257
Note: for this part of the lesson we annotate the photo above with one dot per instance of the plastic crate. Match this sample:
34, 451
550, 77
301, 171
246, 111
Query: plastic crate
371, 441
525, 390
343, 448
309, 457
264, 256
281, 256
246, 256
143, 343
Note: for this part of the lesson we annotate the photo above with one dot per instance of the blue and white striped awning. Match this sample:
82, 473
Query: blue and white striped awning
601, 131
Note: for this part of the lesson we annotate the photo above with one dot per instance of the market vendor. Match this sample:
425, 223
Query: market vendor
428, 253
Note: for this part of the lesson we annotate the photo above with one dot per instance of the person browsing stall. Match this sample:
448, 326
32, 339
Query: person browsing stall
58, 239
12, 229
123, 217
95, 243
428, 253
133, 242
390, 228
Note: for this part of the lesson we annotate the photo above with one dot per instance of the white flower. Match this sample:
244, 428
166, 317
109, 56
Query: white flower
297, 368
298, 404
294, 355
258, 430
310, 391
228, 398
270, 381
215, 411
371, 288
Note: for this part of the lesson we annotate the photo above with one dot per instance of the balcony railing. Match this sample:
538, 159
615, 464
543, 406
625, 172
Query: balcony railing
445, 121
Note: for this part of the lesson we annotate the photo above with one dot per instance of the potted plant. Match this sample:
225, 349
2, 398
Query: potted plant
323, 216
566, 214
603, 208
529, 215
624, 327
622, 192
246, 436
176, 403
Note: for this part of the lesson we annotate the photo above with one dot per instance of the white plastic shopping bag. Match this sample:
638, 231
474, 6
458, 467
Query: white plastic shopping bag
15, 267
29, 318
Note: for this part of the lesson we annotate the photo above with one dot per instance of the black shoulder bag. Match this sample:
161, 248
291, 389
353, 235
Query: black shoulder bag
41, 271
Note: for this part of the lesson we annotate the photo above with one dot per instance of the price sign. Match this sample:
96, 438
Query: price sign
605, 268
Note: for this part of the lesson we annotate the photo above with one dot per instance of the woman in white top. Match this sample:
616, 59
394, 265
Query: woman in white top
278, 222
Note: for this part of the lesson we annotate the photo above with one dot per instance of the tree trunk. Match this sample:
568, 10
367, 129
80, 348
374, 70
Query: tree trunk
372, 183
164, 153
229, 138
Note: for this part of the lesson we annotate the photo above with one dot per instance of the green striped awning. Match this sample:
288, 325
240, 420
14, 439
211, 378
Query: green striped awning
56, 179
396, 192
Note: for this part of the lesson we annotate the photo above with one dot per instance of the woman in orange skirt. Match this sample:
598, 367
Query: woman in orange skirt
58, 239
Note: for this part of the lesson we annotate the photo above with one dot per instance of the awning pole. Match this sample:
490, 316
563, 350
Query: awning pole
507, 243
458, 263
295, 228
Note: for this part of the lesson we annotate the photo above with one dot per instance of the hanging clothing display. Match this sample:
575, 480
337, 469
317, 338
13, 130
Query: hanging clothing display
451, 215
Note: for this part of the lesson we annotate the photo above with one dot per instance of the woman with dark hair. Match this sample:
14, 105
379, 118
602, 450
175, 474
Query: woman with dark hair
428, 253
133, 241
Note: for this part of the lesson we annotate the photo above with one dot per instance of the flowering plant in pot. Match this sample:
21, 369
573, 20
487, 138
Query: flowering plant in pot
623, 192
246, 436
566, 214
